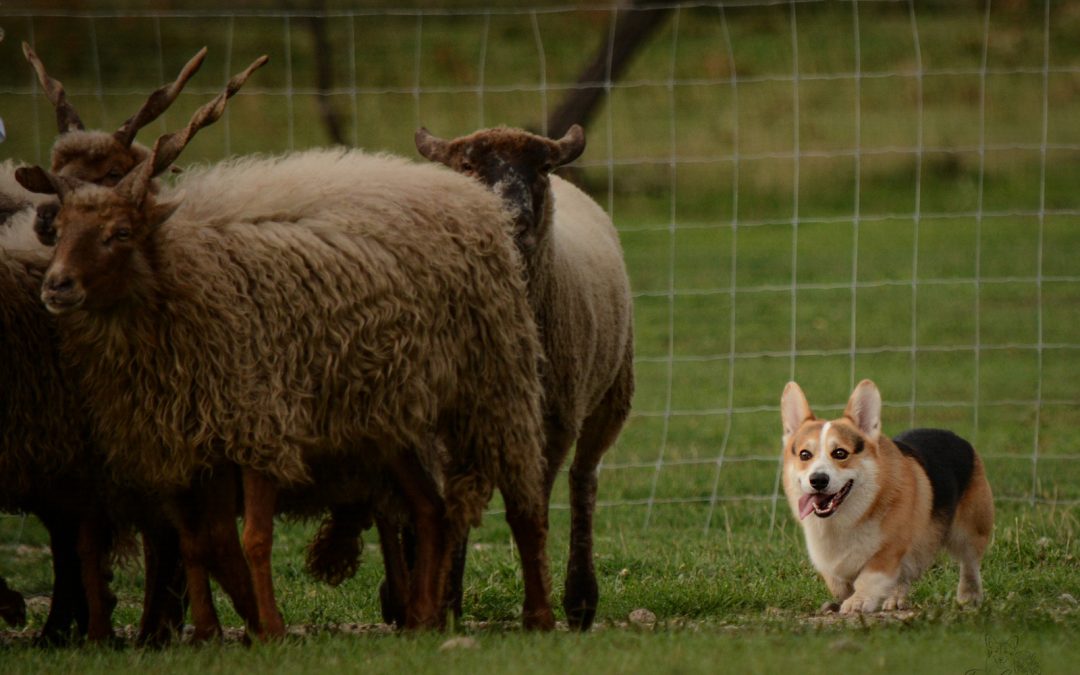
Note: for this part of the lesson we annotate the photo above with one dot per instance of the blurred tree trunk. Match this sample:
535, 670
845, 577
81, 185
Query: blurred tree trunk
629, 30
324, 73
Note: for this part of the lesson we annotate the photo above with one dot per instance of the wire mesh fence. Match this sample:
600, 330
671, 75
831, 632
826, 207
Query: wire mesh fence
818, 191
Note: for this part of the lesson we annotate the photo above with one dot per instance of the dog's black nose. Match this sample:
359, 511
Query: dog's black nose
819, 481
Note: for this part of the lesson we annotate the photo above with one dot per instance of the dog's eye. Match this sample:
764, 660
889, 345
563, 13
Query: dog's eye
840, 453
805, 455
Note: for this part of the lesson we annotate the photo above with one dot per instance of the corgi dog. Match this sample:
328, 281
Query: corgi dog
876, 511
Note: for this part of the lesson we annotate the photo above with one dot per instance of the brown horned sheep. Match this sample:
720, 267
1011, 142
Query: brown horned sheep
47, 461
59, 481
326, 306
580, 296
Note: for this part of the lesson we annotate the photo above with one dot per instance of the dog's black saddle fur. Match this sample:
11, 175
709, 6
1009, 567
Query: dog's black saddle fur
948, 461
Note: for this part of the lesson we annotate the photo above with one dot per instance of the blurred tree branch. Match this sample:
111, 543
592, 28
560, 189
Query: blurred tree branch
629, 30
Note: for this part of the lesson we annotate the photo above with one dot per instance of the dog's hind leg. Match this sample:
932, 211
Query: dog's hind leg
970, 535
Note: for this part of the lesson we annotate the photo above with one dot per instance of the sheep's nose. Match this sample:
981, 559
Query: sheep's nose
819, 481
59, 284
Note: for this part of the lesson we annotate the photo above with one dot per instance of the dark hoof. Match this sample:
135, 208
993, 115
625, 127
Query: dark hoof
543, 620
579, 602
393, 614
54, 639
580, 618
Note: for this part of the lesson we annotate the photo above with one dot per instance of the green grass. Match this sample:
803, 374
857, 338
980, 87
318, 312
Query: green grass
943, 309
740, 596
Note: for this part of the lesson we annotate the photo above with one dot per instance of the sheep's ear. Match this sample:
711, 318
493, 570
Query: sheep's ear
430, 146
36, 179
158, 212
570, 146
864, 409
794, 410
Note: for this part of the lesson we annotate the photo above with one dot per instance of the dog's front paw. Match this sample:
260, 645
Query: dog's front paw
966, 596
894, 602
860, 603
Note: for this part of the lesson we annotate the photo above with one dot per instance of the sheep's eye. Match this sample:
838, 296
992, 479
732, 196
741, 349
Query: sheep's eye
547, 167
840, 453
466, 166
43, 223
46, 215
805, 455
115, 175
121, 234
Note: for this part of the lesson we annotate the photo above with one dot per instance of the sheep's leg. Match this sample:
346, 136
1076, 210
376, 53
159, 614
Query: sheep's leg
94, 543
260, 500
455, 587
209, 545
68, 597
229, 568
598, 432
194, 549
581, 593
428, 513
165, 591
530, 535
394, 590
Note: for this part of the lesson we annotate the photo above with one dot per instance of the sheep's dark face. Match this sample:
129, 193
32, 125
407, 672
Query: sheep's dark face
515, 165
99, 259
102, 238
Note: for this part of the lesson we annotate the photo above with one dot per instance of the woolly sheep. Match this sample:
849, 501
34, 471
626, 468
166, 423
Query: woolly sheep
580, 296
58, 481
46, 458
324, 306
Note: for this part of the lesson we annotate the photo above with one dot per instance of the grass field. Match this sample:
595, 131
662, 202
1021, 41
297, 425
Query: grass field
917, 230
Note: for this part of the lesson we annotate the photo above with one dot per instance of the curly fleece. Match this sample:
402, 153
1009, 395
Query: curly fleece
324, 304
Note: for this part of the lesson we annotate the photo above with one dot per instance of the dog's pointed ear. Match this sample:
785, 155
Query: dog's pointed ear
794, 410
864, 409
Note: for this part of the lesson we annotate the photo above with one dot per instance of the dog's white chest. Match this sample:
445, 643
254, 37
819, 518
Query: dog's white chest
841, 551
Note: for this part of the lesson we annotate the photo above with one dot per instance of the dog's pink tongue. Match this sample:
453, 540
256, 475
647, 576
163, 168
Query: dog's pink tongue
806, 505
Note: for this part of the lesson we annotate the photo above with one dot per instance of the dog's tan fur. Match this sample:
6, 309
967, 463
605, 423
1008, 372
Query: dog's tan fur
884, 533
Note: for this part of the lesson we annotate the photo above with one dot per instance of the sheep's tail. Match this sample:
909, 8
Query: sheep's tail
334, 555
466, 495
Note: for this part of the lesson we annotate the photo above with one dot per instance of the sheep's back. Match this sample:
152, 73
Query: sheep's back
587, 316
283, 333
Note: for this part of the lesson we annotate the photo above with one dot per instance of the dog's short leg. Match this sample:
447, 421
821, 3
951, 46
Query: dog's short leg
871, 588
898, 598
970, 589
840, 589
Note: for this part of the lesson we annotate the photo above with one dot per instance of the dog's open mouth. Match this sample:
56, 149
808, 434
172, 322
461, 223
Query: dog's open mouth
821, 504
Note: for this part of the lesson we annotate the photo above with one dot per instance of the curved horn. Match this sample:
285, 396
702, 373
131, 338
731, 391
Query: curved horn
570, 146
158, 101
66, 117
430, 146
168, 147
